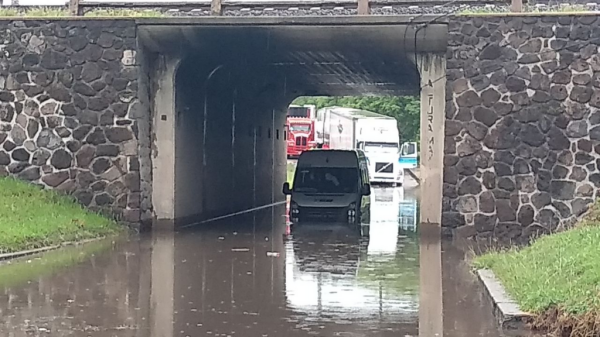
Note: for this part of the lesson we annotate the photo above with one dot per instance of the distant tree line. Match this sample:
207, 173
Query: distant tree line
406, 109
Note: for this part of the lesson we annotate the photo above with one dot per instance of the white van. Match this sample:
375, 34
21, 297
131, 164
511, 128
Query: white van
330, 185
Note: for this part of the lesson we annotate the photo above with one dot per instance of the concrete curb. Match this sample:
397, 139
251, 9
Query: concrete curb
505, 309
15, 255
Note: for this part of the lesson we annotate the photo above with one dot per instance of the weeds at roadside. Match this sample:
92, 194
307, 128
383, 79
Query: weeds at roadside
565, 8
34, 12
291, 170
46, 12
127, 13
558, 322
51, 12
8, 12
592, 217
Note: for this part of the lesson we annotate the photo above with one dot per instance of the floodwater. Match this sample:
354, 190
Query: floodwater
247, 276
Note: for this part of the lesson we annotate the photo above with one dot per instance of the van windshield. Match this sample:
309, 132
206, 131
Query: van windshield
326, 180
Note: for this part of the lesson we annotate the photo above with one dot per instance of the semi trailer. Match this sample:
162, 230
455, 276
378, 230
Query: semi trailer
375, 134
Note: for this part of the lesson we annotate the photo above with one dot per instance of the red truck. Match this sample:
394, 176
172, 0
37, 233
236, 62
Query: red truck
300, 125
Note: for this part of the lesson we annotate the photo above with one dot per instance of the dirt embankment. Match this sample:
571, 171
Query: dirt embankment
560, 323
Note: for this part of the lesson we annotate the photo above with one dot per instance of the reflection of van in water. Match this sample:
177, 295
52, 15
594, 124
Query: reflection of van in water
330, 185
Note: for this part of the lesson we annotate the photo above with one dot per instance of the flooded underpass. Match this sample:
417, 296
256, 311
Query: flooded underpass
250, 276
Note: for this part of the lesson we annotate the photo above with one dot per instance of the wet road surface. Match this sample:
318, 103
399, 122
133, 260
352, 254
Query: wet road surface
245, 277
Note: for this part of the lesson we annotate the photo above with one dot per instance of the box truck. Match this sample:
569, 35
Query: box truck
375, 134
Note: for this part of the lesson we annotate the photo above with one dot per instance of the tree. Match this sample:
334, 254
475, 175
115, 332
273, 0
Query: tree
406, 109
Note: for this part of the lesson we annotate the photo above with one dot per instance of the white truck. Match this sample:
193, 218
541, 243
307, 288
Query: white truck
377, 135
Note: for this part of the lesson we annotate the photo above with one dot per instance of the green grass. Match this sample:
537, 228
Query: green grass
34, 12
47, 12
8, 12
570, 8
291, 169
61, 12
127, 13
556, 271
32, 218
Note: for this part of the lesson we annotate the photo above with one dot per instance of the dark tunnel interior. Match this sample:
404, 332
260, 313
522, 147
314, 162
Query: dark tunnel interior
232, 88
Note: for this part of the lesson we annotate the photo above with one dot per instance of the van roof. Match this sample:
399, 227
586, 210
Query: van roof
357, 113
329, 158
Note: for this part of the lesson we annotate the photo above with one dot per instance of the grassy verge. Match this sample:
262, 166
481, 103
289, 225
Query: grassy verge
557, 277
32, 218
127, 13
566, 8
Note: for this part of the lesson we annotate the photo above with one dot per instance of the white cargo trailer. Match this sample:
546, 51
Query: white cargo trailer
377, 135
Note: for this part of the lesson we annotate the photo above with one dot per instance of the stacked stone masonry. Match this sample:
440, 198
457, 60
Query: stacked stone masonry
69, 110
522, 145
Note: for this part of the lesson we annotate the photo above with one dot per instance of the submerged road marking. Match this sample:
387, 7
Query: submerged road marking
233, 214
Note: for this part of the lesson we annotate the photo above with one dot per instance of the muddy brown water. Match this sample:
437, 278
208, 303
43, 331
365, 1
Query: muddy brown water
245, 276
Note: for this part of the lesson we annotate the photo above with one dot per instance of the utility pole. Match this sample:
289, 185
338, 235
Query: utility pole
216, 8
516, 5
363, 7
74, 7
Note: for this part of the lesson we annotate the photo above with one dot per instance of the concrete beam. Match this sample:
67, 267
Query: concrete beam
291, 35
291, 20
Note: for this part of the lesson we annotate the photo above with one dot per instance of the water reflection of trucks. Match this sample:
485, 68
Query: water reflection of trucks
300, 125
375, 134
332, 274
393, 207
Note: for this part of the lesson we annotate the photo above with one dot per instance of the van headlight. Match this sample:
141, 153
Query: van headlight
294, 208
352, 209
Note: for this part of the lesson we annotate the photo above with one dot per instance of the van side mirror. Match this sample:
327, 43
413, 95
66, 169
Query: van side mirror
366, 190
286, 188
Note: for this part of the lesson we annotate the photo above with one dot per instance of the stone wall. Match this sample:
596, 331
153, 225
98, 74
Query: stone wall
69, 111
522, 147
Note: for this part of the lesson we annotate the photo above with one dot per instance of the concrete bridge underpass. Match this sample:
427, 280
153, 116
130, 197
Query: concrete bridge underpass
218, 90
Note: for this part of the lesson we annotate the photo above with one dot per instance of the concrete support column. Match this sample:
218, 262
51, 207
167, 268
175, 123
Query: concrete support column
432, 69
163, 149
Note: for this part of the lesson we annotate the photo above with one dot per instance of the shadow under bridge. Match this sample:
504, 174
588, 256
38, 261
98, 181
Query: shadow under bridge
221, 87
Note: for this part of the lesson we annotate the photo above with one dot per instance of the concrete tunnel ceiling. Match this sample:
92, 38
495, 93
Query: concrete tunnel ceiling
309, 56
